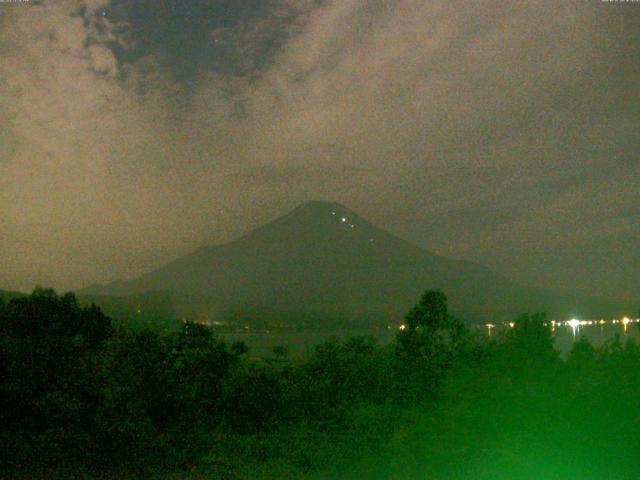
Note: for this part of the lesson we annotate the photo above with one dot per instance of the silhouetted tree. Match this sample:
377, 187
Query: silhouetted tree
532, 339
430, 342
46, 342
239, 348
582, 354
194, 335
281, 352
431, 313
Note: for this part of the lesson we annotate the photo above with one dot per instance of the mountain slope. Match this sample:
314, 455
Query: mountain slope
6, 295
323, 259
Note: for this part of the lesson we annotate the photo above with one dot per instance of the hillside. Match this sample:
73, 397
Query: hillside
322, 260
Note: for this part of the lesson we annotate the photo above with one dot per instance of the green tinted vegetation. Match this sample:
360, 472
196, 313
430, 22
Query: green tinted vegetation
82, 398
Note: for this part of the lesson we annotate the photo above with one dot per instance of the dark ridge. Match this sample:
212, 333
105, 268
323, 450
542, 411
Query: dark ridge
323, 260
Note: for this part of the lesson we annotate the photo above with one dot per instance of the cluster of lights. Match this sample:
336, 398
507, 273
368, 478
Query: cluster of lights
574, 323
344, 220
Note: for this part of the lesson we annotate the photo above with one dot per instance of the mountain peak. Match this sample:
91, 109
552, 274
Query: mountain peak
321, 260
319, 214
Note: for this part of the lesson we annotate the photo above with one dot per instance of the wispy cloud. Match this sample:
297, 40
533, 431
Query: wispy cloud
411, 112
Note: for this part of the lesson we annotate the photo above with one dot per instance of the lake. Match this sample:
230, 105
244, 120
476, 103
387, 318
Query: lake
301, 343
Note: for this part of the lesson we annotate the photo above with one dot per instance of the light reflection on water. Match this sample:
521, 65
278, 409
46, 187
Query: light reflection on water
300, 343
597, 335
597, 332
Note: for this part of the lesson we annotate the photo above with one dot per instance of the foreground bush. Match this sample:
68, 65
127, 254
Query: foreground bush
81, 399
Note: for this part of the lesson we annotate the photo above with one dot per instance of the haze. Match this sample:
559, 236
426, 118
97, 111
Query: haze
501, 132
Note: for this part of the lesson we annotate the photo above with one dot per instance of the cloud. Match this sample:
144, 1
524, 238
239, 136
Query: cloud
488, 130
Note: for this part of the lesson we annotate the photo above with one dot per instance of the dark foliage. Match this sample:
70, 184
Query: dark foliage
79, 395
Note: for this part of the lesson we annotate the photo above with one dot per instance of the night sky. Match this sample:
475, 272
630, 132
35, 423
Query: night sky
502, 132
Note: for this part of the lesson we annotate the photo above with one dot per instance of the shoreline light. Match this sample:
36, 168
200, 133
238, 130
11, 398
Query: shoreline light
625, 323
574, 324
490, 327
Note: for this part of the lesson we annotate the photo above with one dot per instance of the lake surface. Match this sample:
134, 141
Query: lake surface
597, 335
301, 343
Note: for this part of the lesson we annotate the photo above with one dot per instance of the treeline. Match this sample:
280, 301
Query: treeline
82, 397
